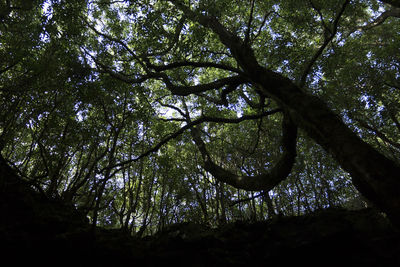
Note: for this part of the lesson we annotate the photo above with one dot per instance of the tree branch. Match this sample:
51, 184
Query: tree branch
248, 30
120, 42
222, 100
262, 24
173, 41
329, 35
195, 89
190, 125
378, 133
373, 174
394, 12
175, 65
8, 67
233, 203
175, 108
265, 181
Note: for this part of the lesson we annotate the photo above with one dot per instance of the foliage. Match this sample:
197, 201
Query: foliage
100, 100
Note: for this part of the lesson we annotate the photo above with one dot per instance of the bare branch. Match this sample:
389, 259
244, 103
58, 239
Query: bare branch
8, 67
222, 100
173, 119
231, 82
173, 41
326, 28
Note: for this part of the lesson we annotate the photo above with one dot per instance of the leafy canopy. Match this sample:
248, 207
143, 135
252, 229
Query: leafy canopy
118, 106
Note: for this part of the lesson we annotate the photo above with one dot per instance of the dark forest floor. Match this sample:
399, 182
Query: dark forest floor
36, 230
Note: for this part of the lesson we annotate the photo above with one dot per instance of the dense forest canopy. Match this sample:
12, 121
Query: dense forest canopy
147, 113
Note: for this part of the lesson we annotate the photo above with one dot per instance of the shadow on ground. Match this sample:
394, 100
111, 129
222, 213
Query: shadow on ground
36, 230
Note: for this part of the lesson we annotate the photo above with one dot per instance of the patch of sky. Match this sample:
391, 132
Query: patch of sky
80, 113
342, 41
47, 11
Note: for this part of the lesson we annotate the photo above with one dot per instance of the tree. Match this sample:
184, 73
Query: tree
241, 88
373, 174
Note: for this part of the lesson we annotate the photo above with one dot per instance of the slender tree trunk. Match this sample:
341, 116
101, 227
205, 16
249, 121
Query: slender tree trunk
146, 206
200, 200
305, 203
299, 194
253, 208
270, 205
221, 200
96, 208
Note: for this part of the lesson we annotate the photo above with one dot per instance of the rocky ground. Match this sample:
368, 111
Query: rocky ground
36, 230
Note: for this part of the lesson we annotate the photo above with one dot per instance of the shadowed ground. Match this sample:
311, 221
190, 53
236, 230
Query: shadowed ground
36, 230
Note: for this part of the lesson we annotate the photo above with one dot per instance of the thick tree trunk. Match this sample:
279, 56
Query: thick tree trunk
373, 174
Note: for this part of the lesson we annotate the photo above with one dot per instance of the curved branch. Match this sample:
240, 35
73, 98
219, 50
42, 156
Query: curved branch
195, 89
189, 126
231, 82
373, 174
222, 100
265, 181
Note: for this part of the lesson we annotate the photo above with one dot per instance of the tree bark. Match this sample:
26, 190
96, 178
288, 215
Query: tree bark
373, 174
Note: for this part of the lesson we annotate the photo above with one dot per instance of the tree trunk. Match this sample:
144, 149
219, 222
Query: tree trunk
374, 175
